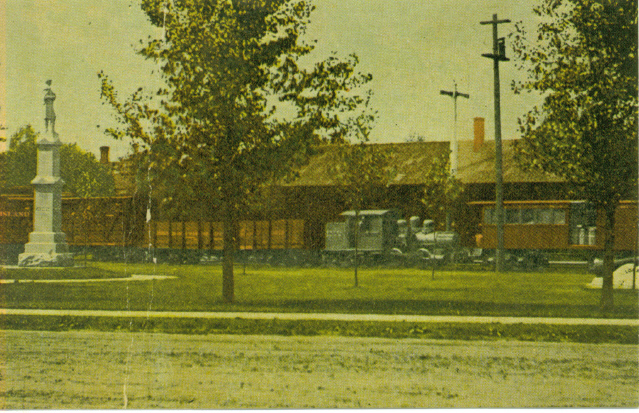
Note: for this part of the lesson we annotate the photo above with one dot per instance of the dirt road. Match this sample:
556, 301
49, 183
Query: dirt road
71, 370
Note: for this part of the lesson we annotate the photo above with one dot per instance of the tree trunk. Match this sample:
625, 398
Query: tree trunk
228, 284
356, 244
607, 300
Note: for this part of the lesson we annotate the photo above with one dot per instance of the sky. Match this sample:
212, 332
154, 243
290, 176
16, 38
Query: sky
413, 49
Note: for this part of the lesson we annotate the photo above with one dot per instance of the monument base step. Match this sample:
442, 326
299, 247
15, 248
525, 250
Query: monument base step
40, 241
45, 260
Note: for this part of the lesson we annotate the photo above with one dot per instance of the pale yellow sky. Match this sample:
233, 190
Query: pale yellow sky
413, 48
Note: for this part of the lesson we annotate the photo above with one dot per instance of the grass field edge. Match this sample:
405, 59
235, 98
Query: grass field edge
596, 334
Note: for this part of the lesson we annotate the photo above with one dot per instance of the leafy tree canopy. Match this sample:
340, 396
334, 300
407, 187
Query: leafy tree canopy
583, 60
362, 170
83, 174
227, 64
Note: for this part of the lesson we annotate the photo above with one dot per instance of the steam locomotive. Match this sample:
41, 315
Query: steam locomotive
382, 236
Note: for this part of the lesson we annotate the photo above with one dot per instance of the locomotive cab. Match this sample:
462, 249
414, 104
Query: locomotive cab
370, 230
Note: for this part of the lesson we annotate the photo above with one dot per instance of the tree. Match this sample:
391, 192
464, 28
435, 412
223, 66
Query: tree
238, 109
361, 171
442, 191
83, 174
583, 61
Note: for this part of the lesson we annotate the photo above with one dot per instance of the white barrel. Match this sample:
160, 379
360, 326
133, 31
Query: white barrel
582, 235
592, 235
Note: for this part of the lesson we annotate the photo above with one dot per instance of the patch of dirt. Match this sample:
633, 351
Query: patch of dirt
72, 370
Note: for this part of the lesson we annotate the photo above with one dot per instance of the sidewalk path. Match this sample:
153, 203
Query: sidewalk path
325, 317
134, 277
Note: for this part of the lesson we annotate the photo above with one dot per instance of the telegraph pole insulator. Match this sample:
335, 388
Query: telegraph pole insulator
500, 55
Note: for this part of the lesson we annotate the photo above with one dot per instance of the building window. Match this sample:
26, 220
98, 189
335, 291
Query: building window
489, 216
527, 216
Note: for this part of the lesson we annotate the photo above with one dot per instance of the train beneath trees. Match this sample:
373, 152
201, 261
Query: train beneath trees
122, 228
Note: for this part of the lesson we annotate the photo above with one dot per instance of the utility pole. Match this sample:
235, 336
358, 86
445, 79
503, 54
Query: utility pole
498, 54
454, 144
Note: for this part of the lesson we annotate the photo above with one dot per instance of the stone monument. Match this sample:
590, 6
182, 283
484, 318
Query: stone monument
47, 246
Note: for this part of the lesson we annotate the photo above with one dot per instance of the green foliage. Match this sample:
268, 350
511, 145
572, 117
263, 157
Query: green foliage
83, 174
442, 191
583, 60
19, 162
216, 133
213, 131
362, 170
362, 173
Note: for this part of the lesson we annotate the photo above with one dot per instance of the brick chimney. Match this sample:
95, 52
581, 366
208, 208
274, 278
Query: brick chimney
479, 134
104, 154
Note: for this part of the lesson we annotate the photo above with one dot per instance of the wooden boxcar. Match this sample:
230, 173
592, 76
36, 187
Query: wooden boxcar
106, 221
122, 221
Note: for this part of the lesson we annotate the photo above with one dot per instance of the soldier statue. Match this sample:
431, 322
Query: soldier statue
49, 116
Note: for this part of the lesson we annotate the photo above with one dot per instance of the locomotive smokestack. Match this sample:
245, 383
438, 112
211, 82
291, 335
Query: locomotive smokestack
479, 134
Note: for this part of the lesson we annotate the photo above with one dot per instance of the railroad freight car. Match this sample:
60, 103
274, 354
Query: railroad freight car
107, 224
116, 228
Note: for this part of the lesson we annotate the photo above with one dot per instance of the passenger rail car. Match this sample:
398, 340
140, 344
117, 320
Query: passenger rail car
556, 225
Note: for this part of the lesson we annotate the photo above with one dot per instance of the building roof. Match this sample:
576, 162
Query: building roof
410, 160
479, 167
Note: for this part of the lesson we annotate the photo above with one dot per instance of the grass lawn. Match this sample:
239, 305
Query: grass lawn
381, 290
